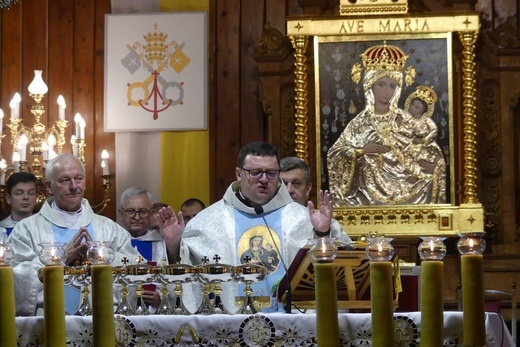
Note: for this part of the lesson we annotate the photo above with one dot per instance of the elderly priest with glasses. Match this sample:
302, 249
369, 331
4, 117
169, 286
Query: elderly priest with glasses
64, 217
236, 225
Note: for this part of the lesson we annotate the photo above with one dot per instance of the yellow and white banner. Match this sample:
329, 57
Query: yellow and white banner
173, 166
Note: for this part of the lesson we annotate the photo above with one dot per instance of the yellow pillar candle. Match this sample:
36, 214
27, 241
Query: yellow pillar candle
474, 319
382, 305
54, 306
327, 329
432, 319
7, 316
102, 306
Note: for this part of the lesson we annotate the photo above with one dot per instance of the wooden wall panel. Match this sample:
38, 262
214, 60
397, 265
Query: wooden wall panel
226, 112
236, 115
11, 65
59, 73
102, 140
251, 27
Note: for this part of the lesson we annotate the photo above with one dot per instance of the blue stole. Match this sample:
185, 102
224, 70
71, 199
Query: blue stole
9, 230
144, 247
253, 240
72, 295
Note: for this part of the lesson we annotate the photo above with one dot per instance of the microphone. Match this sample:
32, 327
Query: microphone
259, 210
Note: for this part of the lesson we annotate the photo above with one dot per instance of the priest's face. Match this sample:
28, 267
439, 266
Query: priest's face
68, 184
258, 178
136, 212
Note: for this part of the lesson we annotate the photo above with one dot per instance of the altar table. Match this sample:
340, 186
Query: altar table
259, 330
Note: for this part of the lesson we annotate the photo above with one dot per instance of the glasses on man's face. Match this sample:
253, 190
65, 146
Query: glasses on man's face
130, 213
257, 174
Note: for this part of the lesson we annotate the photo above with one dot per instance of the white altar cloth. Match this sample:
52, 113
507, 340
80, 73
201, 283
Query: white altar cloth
273, 329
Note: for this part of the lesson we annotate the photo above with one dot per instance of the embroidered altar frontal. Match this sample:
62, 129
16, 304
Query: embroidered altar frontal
276, 329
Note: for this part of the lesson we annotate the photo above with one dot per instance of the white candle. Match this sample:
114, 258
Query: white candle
45, 151
51, 141
82, 126
12, 106
1, 120
61, 109
77, 120
16, 162
22, 146
73, 143
52, 154
3, 166
104, 162
17, 98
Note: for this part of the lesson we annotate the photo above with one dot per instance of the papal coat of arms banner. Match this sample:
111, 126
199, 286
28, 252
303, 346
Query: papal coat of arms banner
156, 72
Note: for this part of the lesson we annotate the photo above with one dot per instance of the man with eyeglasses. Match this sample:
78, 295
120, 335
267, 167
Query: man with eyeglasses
136, 210
65, 217
258, 197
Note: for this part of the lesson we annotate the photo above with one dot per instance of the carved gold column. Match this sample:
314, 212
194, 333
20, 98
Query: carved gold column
468, 40
300, 44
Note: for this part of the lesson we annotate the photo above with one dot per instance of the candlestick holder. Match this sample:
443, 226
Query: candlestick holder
471, 245
323, 249
431, 251
432, 248
8, 335
53, 256
80, 149
106, 194
379, 248
471, 242
52, 253
380, 252
6, 254
100, 252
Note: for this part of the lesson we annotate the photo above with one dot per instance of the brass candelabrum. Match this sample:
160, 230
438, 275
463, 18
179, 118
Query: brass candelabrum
42, 143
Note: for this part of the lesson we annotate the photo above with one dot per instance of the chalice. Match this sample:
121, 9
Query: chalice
119, 273
216, 274
175, 273
249, 273
139, 274
82, 280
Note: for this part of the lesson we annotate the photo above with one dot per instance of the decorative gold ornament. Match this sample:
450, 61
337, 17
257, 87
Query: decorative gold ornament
384, 58
372, 7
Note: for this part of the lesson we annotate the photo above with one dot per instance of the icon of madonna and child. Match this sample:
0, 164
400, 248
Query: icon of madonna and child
260, 253
386, 154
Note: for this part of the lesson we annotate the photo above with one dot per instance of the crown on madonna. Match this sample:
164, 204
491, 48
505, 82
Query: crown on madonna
384, 57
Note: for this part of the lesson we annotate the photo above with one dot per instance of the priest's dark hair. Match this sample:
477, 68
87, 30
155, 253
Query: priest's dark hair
258, 148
